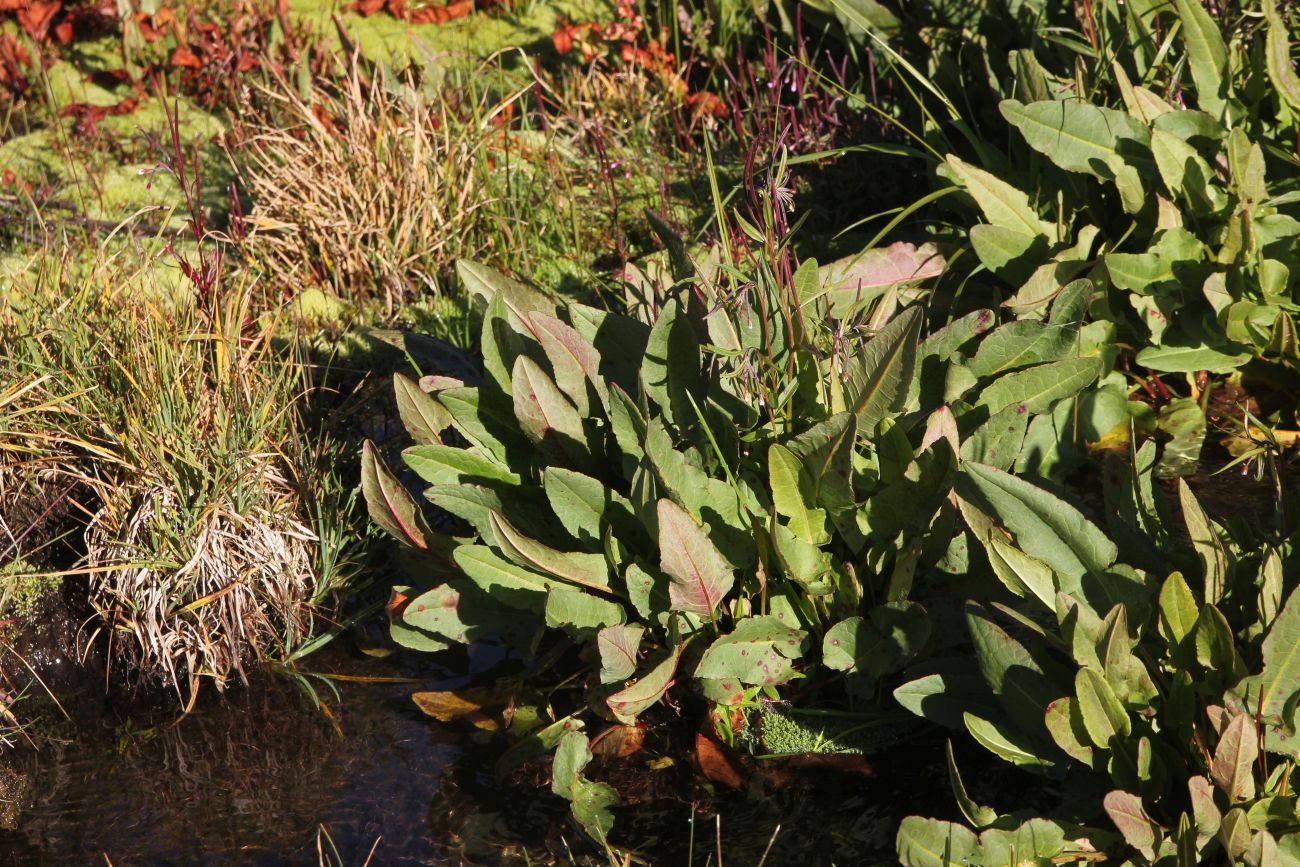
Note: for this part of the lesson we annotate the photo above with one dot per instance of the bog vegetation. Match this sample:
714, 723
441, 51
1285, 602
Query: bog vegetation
832, 377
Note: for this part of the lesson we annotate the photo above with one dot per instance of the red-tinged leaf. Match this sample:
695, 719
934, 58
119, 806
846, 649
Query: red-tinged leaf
390, 506
866, 275
1130, 817
182, 56
628, 703
618, 742
718, 762
699, 576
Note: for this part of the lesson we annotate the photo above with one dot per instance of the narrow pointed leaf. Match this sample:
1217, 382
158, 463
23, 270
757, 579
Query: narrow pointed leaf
573, 567
423, 417
880, 375
389, 504
628, 703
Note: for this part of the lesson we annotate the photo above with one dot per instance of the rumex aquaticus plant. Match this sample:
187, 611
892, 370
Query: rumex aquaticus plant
727, 495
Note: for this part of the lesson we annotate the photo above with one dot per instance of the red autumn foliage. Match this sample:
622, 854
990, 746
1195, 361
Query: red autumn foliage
423, 12
89, 116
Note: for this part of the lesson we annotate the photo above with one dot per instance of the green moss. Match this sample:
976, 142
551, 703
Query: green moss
799, 734
22, 588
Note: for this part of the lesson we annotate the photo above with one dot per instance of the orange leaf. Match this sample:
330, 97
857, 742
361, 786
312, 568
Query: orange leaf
182, 56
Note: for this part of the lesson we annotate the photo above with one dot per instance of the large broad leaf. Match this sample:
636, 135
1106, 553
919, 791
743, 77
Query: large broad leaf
826, 450
504, 581
1104, 717
1037, 841
998, 441
1131, 818
590, 802
1011, 672
1278, 58
618, 646
1216, 563
1234, 758
1207, 55
486, 283
759, 652
1080, 137
447, 465
1045, 526
545, 415
572, 567
670, 370
880, 374
423, 417
859, 279
879, 644
584, 505
699, 575
389, 504
574, 360
1003, 205
581, 614
629, 702
792, 494
460, 612
1268, 692
933, 843
1190, 358
1040, 386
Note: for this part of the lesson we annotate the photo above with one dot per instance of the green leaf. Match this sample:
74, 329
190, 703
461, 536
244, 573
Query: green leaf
1044, 526
629, 702
758, 651
389, 504
977, 814
1065, 724
575, 361
545, 415
462, 613
1005, 743
1185, 172
1023, 575
1171, 358
1078, 136
590, 802
1003, 205
1020, 344
504, 581
579, 502
485, 283
826, 450
448, 465
1037, 841
572, 567
791, 492
1104, 718
670, 369
1178, 614
1011, 255
581, 614
1267, 693
1215, 562
422, 416
880, 375
933, 843
855, 280
879, 644
699, 575
1215, 648
1041, 386
1130, 817
1207, 55
1010, 671
1277, 52
999, 440
1232, 768
618, 646
472, 418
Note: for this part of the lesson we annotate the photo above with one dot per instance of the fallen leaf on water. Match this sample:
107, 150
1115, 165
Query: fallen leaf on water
481, 707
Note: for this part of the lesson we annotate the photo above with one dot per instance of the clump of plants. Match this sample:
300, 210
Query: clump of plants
168, 438
732, 493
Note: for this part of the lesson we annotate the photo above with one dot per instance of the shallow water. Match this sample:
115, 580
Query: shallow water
253, 777
248, 779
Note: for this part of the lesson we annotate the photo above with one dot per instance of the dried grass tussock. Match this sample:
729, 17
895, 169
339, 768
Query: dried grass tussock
375, 186
170, 438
